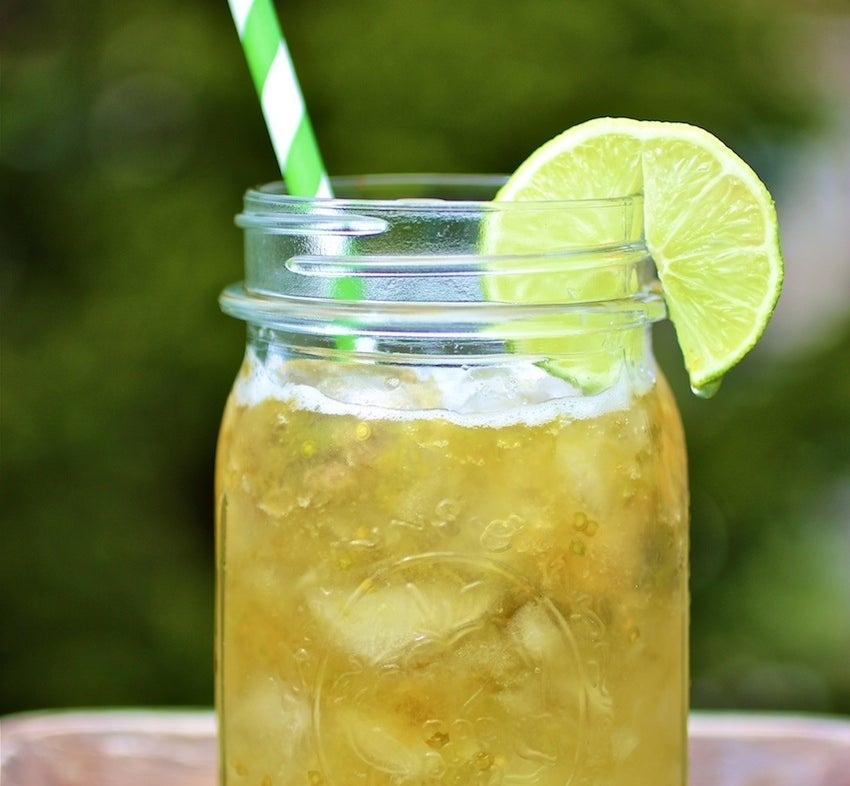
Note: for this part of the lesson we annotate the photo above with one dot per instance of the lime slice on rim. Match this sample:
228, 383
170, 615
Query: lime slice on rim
710, 226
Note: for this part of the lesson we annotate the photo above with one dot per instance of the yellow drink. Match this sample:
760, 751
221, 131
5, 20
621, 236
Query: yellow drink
452, 533
488, 599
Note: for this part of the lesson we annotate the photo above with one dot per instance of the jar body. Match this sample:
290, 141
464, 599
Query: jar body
450, 572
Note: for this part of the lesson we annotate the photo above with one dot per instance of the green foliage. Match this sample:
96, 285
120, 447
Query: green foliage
130, 131
479, 84
770, 473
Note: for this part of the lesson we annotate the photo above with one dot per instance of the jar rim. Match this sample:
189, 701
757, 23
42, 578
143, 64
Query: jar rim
481, 188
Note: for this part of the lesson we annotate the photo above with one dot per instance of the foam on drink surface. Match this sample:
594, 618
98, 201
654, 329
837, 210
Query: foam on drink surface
466, 396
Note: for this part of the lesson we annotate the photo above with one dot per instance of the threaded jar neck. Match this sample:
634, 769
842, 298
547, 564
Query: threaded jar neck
431, 267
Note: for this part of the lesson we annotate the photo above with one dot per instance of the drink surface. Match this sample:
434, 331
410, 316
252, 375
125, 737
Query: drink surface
413, 592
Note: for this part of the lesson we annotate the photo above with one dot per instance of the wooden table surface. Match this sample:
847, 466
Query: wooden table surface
177, 748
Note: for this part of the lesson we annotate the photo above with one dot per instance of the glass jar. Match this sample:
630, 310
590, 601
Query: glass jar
451, 523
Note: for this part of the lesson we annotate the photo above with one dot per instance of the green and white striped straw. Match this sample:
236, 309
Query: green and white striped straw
281, 98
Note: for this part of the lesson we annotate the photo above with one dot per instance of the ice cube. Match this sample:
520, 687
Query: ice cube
387, 744
534, 629
380, 620
266, 724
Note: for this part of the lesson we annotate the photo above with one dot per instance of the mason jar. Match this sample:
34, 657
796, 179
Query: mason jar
451, 496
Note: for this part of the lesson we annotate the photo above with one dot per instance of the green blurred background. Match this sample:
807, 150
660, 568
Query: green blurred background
129, 132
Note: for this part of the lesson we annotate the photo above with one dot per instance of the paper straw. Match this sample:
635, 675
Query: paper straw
280, 97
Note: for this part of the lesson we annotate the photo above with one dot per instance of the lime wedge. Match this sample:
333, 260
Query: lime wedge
710, 226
